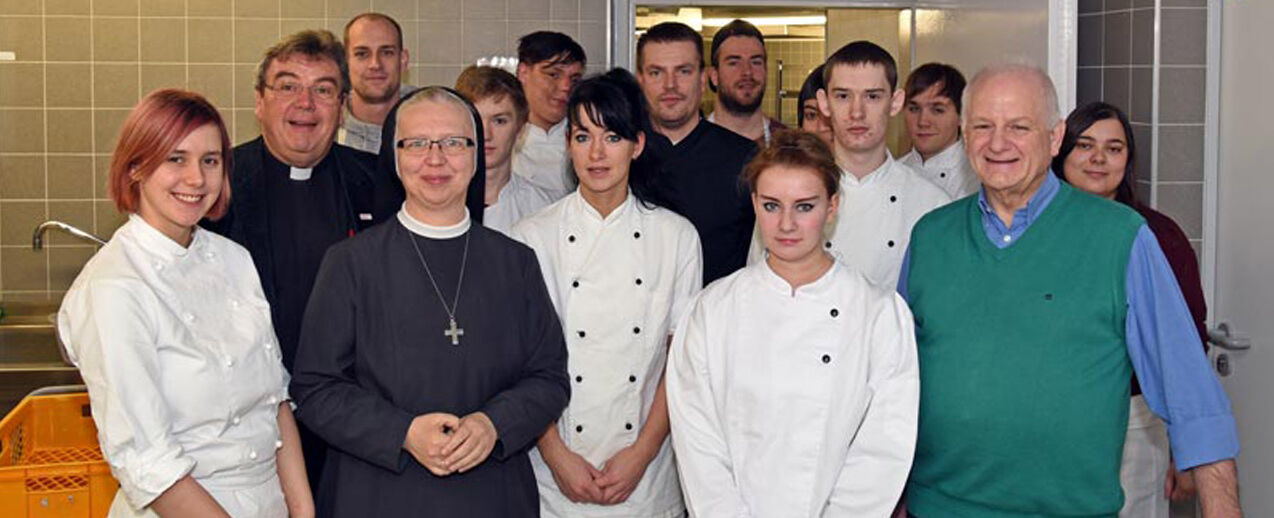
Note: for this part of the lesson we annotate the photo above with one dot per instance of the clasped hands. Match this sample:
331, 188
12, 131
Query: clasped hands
581, 482
445, 444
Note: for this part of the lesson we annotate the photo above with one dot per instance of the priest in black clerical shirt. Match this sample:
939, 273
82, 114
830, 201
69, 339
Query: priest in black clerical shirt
293, 192
431, 357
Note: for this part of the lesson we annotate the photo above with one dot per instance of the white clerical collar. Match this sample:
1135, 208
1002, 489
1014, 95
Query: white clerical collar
430, 231
300, 174
877, 175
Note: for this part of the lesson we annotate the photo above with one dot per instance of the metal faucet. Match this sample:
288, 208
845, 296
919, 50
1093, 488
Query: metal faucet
37, 239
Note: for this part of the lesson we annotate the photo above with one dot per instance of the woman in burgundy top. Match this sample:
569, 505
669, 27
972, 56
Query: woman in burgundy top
1097, 156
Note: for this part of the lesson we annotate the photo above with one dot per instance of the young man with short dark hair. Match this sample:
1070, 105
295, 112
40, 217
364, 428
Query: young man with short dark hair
550, 64
881, 198
932, 113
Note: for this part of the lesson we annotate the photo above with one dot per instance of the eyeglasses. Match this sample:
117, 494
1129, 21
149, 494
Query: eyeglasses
449, 145
323, 91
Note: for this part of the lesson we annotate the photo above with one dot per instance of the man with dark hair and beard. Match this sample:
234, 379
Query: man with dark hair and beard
738, 76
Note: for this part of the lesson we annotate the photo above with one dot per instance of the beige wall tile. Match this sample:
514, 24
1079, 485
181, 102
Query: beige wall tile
485, 10
78, 214
115, 86
70, 131
115, 39
101, 170
303, 9
19, 7
70, 177
22, 37
20, 219
439, 75
209, 40
592, 36
440, 43
245, 126
155, 77
21, 177
252, 38
438, 9
64, 6
483, 38
109, 218
106, 125
564, 10
213, 81
208, 7
115, 8
520, 28
163, 40
244, 87
68, 39
529, 9
293, 25
65, 264
68, 85
400, 10
21, 84
21, 131
342, 10
257, 9
593, 11
163, 7
23, 268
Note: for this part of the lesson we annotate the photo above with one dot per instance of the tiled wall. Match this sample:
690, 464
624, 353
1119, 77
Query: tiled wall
81, 64
1118, 63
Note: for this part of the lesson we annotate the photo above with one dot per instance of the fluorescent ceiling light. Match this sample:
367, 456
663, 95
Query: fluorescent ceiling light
770, 20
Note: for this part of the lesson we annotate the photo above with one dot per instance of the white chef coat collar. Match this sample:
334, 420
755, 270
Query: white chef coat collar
878, 175
430, 231
155, 242
556, 130
814, 289
948, 156
582, 206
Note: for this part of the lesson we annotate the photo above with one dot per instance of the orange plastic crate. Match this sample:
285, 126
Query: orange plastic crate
50, 463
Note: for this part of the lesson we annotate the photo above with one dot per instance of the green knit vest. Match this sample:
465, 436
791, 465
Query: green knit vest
1024, 371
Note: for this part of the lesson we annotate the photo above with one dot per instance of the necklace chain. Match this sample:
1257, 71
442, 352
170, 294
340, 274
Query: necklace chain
455, 303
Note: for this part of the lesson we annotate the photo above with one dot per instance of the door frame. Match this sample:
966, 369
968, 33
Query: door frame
1063, 18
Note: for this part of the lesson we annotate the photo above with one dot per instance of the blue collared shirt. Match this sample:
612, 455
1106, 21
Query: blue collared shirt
1163, 344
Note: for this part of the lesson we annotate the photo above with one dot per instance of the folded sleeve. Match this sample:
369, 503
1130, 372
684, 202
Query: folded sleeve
328, 397
880, 455
703, 458
1175, 377
112, 328
522, 412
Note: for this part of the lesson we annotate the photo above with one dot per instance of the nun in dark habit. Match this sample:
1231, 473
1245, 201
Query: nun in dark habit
431, 357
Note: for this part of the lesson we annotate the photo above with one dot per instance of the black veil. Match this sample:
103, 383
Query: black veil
475, 199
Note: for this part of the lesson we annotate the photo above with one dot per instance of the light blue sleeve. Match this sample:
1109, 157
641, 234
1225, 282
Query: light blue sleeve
903, 274
1174, 374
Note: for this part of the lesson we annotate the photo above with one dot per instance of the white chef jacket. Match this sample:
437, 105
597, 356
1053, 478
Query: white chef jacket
620, 284
540, 156
518, 199
873, 224
949, 169
183, 371
794, 403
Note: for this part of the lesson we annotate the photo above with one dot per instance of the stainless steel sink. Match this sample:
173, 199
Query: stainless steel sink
30, 356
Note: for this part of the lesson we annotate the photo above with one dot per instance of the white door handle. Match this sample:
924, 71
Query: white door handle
1221, 337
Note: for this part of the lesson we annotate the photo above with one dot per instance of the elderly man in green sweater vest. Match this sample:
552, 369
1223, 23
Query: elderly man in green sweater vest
1034, 303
